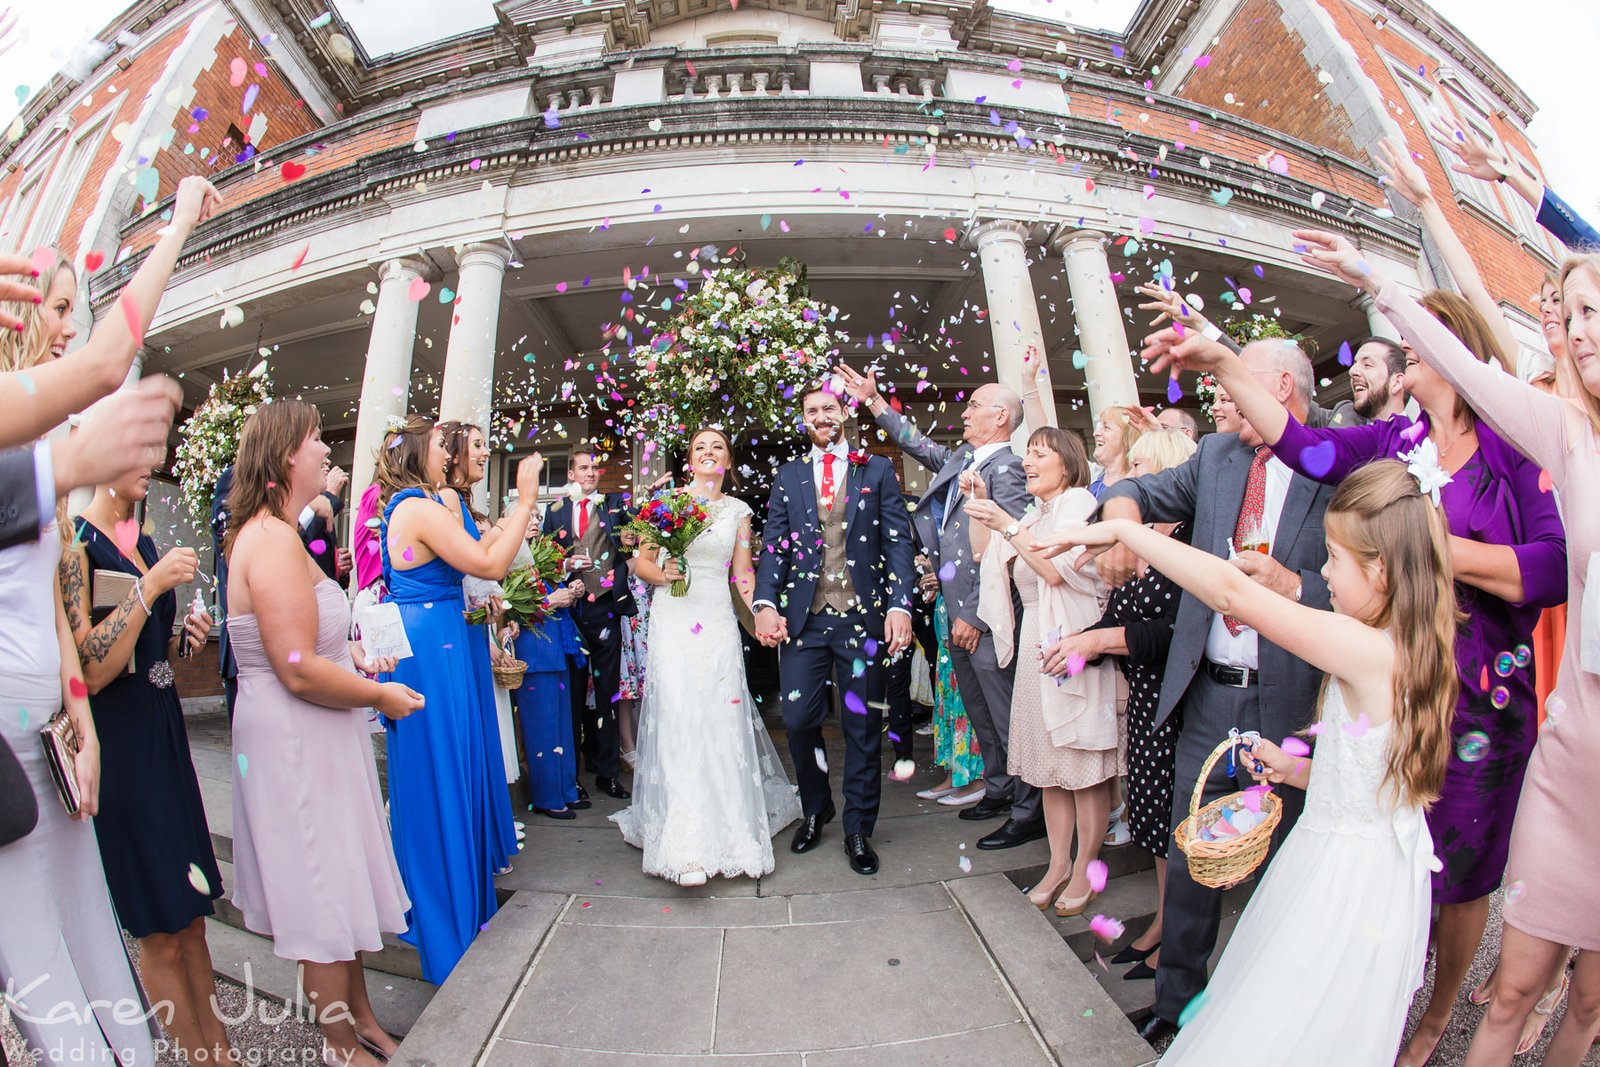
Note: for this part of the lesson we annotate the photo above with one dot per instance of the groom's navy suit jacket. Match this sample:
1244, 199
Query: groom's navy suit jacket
877, 542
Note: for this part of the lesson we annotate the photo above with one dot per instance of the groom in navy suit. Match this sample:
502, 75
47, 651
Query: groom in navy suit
835, 582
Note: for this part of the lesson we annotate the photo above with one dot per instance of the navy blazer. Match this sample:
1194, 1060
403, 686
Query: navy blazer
877, 542
1557, 216
560, 522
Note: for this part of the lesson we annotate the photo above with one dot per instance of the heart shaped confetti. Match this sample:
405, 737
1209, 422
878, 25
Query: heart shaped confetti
418, 290
94, 261
1318, 459
291, 170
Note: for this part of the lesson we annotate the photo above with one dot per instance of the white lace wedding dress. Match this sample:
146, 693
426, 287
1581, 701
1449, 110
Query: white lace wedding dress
1332, 945
709, 792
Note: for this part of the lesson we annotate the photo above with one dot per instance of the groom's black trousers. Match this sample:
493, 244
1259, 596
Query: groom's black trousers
830, 644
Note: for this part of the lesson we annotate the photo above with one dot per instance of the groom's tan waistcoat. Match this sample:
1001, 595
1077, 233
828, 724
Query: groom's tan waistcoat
834, 588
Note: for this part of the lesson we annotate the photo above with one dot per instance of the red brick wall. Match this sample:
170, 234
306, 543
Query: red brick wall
199, 676
1261, 63
1509, 272
287, 115
137, 82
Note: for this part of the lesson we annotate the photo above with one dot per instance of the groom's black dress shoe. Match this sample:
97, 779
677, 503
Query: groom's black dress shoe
1156, 1029
862, 859
611, 787
985, 809
1012, 834
810, 831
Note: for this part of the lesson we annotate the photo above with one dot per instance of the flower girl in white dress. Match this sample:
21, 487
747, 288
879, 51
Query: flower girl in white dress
1333, 943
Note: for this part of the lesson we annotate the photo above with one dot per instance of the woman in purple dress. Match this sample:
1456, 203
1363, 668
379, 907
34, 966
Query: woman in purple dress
1509, 552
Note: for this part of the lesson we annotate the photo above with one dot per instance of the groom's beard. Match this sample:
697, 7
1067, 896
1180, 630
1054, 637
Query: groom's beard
823, 436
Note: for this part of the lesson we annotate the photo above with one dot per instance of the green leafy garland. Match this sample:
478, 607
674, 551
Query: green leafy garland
209, 441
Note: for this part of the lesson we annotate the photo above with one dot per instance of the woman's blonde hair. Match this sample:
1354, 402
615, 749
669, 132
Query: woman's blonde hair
1163, 449
1590, 264
1379, 515
24, 348
1120, 415
261, 472
402, 459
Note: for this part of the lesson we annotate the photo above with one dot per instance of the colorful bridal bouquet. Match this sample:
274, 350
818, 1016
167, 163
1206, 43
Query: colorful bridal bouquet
671, 519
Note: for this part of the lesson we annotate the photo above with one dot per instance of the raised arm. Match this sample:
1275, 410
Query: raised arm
863, 388
1406, 179
43, 396
1539, 424
438, 528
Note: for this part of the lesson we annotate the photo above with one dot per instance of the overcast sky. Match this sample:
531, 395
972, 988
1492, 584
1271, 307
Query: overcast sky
1545, 48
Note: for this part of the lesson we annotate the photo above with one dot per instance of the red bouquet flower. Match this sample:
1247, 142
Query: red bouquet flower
671, 519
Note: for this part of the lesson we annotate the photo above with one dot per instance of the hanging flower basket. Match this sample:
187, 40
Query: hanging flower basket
209, 442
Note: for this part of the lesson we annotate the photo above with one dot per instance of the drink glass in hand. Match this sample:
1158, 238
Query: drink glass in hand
1254, 539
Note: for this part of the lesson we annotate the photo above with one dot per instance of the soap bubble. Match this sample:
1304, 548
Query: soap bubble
1523, 655
1514, 892
1473, 746
1504, 664
1500, 697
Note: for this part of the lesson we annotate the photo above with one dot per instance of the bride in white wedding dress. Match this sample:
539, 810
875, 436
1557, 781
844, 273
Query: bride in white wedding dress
710, 792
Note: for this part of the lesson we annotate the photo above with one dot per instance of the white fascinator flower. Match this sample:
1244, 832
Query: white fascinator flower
1422, 462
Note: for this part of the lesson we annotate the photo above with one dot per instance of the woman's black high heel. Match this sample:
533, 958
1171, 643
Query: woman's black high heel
1134, 955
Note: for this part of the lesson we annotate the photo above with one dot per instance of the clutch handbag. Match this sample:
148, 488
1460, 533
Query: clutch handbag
61, 756
107, 589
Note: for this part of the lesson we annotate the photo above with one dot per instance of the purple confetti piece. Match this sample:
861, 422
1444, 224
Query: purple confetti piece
854, 703
1346, 357
1174, 392
1318, 458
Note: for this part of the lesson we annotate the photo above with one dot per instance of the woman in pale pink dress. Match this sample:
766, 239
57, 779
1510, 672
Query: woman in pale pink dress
313, 867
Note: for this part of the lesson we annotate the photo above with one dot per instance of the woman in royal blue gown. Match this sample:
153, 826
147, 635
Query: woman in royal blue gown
441, 813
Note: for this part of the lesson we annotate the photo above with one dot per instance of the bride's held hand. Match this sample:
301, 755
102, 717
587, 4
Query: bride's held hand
671, 570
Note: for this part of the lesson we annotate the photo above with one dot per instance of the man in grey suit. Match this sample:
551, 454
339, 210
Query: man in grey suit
1220, 675
993, 411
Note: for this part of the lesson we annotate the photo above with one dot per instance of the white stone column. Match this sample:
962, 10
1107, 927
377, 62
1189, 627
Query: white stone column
468, 391
385, 383
1013, 308
1108, 366
1377, 324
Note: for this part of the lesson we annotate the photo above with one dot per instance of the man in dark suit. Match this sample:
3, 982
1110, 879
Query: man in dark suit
993, 411
219, 567
835, 580
587, 525
317, 527
1219, 674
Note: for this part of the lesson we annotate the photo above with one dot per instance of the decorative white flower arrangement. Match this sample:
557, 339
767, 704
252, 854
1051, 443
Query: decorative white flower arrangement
209, 441
737, 354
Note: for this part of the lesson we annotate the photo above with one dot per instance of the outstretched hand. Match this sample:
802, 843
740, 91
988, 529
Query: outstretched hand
863, 388
1169, 305
1336, 255
1472, 155
1401, 173
1102, 547
1178, 348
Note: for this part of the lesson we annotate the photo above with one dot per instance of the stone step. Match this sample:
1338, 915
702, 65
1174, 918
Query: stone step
248, 960
397, 959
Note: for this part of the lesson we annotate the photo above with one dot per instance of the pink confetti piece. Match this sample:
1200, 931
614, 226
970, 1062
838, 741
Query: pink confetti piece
1293, 746
131, 316
318, 547
237, 72
1359, 727
1545, 482
126, 535
418, 290
408, 555
1106, 928
1097, 873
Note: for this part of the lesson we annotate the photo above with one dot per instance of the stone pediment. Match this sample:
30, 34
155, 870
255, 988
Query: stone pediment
628, 23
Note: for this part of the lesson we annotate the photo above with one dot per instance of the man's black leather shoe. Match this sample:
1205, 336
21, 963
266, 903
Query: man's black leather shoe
611, 787
810, 831
1012, 834
862, 859
1157, 1029
985, 809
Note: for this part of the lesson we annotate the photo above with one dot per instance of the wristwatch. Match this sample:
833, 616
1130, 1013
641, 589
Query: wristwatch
1011, 531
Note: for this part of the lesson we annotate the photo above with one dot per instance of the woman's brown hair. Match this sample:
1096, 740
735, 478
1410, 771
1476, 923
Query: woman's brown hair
261, 473
1379, 515
402, 460
1069, 446
457, 435
1470, 328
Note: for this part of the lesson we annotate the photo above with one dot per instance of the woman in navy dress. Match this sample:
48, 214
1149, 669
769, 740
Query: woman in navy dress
441, 810
154, 842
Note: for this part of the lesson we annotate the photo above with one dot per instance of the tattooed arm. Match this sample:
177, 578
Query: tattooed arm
104, 649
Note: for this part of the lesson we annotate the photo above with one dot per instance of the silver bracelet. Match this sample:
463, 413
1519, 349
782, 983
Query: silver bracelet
138, 591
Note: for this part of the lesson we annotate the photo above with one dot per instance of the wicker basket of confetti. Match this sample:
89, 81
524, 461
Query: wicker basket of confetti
508, 674
1228, 838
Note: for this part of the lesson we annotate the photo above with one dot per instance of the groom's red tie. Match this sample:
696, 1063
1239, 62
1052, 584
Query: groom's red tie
826, 496
583, 517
